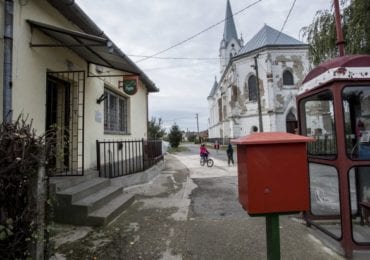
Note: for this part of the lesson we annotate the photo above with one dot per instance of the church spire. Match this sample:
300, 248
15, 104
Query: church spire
230, 29
230, 44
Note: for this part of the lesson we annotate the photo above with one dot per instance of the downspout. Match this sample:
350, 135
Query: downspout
8, 58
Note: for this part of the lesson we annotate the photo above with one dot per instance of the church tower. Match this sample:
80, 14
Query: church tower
230, 44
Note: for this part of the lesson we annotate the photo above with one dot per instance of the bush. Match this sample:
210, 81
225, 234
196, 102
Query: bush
191, 138
20, 157
175, 136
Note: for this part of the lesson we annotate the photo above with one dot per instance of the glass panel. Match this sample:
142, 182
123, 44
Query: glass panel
360, 203
324, 193
123, 115
318, 116
356, 106
115, 113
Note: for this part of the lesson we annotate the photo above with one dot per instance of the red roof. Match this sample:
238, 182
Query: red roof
339, 62
272, 138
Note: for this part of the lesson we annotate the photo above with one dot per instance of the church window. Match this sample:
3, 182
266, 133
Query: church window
234, 96
252, 88
288, 78
219, 101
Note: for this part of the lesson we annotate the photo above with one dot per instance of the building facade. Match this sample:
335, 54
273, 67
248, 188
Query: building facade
280, 62
68, 76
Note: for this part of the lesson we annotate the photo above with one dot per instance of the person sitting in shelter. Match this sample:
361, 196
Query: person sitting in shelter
203, 152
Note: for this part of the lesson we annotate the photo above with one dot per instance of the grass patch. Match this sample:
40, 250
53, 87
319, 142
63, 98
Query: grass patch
178, 149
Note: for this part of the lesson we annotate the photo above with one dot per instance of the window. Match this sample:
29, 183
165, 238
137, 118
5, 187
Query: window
317, 112
115, 113
234, 95
219, 102
356, 107
252, 88
288, 78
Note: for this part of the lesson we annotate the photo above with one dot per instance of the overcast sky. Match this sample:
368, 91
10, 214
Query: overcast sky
145, 27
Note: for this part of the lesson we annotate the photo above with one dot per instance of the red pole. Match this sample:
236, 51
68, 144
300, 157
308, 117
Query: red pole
338, 27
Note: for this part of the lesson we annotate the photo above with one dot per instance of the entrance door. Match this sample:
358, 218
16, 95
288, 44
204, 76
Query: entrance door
291, 123
58, 106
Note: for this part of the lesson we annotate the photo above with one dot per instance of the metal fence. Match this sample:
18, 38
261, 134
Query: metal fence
120, 158
323, 145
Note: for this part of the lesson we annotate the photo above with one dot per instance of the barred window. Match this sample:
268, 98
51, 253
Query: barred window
115, 113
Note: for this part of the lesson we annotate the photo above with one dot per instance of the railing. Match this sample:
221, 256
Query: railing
120, 158
324, 145
221, 141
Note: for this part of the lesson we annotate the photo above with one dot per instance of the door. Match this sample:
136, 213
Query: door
58, 106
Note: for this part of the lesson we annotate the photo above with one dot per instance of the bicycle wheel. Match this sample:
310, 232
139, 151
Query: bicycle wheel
202, 162
209, 162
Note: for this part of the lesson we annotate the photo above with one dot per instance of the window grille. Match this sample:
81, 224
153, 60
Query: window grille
115, 113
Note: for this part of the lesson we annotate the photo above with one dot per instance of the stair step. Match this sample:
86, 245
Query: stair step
99, 199
84, 189
112, 209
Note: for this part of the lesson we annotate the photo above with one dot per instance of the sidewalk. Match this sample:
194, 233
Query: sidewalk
184, 215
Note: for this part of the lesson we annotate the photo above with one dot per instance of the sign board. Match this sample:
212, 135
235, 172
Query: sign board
129, 84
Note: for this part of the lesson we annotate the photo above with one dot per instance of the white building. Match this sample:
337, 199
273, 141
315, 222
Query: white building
282, 63
61, 70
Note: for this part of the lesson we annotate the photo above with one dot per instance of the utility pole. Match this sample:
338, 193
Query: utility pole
258, 94
338, 27
197, 117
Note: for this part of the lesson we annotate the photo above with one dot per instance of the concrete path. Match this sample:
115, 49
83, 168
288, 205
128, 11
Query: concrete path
189, 212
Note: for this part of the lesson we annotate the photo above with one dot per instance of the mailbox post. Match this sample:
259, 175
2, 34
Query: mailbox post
273, 179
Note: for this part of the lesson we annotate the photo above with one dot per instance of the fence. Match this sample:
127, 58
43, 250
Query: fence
120, 158
221, 141
324, 145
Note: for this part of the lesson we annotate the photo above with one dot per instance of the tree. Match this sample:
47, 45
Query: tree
155, 130
175, 136
321, 34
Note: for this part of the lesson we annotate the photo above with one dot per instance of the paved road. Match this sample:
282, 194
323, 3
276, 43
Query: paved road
192, 212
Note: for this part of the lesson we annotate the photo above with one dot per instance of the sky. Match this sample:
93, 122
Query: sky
185, 74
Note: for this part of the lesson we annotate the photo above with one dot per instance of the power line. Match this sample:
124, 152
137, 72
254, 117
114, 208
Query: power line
174, 58
199, 33
286, 19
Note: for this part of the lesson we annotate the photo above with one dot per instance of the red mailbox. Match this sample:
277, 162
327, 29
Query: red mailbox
273, 172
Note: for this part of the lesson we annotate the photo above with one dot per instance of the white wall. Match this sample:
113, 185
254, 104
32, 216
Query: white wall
276, 99
30, 66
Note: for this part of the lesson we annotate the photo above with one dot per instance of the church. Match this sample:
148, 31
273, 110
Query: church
258, 84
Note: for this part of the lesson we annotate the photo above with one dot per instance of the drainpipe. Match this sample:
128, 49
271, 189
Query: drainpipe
8, 58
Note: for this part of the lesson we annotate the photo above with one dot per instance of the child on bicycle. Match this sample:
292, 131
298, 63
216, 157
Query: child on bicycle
203, 152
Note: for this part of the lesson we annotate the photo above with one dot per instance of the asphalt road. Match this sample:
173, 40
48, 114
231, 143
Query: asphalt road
192, 212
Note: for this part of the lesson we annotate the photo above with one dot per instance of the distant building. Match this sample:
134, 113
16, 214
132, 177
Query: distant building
282, 63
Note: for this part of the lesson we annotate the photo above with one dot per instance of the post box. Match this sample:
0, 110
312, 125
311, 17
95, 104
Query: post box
273, 172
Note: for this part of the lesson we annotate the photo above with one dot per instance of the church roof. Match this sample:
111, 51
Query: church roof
230, 29
213, 90
268, 36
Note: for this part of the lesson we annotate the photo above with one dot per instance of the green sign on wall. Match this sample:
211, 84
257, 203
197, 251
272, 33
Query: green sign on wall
129, 85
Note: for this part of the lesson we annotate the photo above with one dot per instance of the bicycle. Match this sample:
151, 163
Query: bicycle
208, 160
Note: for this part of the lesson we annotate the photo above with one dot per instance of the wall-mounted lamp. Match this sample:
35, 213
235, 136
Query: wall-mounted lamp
110, 47
101, 98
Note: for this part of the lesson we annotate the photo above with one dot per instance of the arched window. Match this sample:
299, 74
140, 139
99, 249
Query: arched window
252, 88
288, 78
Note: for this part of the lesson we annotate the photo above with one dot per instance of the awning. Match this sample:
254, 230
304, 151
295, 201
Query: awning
93, 49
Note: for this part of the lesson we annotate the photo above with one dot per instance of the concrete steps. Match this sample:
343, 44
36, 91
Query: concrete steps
93, 202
